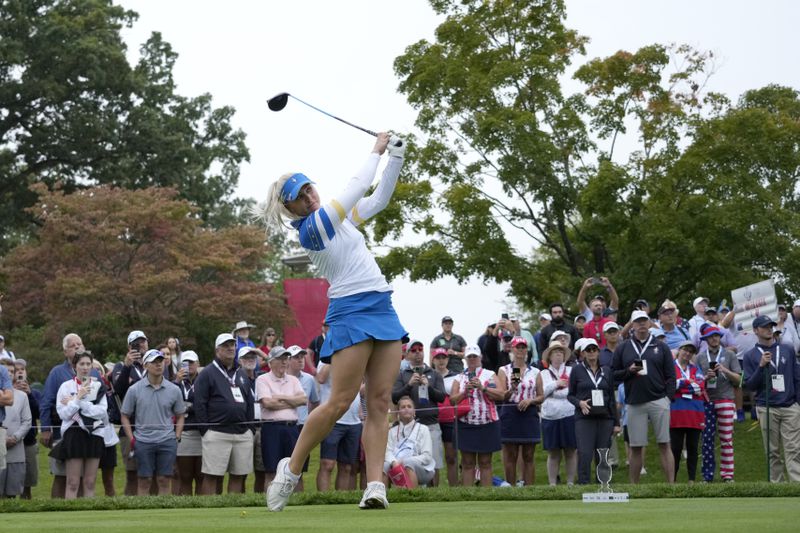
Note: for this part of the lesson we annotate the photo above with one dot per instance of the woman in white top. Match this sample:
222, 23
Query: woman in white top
83, 410
409, 446
477, 432
558, 415
519, 417
365, 334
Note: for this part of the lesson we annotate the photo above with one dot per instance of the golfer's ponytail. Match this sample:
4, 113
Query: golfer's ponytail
271, 212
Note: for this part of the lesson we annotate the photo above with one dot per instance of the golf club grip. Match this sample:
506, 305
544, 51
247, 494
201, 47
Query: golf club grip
398, 144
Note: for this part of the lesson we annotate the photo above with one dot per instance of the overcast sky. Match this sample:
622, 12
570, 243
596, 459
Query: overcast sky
338, 55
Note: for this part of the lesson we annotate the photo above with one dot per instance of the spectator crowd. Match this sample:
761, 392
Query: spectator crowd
180, 428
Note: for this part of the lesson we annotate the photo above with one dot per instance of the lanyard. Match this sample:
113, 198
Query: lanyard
777, 362
644, 348
686, 375
563, 372
405, 437
596, 380
716, 357
231, 380
138, 372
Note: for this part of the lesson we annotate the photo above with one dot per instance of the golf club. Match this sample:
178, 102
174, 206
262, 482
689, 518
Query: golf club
279, 101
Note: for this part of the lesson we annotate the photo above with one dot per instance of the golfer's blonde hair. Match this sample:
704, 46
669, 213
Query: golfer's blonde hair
271, 212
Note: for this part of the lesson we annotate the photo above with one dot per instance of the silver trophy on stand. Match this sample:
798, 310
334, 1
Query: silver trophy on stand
604, 473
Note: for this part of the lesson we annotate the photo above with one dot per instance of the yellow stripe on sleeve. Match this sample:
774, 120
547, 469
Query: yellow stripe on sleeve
339, 210
356, 217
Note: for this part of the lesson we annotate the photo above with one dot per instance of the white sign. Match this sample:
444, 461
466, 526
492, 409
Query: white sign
605, 497
752, 301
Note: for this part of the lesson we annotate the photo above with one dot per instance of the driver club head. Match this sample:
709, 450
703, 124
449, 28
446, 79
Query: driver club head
278, 102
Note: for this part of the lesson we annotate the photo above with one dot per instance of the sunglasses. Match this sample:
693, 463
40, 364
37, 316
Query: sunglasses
415, 350
521, 347
591, 349
270, 334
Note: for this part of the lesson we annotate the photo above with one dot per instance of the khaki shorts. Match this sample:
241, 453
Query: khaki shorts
125, 448
32, 465
436, 445
258, 457
226, 452
191, 444
657, 412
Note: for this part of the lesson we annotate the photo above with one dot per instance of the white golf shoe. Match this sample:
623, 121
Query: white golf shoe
374, 496
281, 487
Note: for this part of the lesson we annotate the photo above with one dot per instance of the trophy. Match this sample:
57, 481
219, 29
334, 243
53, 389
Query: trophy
604, 473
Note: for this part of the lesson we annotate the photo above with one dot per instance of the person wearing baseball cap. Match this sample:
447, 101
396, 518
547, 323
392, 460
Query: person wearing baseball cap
791, 326
647, 370
297, 361
190, 447
224, 408
124, 375
771, 372
700, 305
154, 401
479, 429
447, 413
279, 395
611, 332
723, 375
668, 317
592, 393
519, 418
453, 343
686, 409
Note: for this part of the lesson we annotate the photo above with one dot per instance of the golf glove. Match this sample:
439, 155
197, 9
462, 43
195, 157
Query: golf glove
396, 151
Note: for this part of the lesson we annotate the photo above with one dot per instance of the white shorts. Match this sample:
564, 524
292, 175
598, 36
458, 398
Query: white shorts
227, 453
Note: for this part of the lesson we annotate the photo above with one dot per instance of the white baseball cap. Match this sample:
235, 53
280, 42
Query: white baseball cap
638, 315
296, 350
190, 355
558, 333
700, 299
588, 342
546, 316
136, 334
579, 343
473, 350
152, 355
222, 338
610, 325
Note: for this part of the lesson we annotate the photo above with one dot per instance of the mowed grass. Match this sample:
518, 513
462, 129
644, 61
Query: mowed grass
668, 515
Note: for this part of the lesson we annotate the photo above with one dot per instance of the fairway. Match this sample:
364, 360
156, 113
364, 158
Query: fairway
669, 515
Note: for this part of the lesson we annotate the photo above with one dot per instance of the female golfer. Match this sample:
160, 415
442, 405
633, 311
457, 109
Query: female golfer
365, 333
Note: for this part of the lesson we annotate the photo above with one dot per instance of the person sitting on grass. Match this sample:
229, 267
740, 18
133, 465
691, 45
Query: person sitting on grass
408, 450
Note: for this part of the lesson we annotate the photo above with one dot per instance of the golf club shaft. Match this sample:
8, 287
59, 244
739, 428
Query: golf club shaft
365, 130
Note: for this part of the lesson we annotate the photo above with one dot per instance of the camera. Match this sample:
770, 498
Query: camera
712, 364
639, 363
136, 345
418, 370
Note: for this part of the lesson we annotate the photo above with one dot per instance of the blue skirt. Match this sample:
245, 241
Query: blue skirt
559, 434
484, 438
359, 317
519, 427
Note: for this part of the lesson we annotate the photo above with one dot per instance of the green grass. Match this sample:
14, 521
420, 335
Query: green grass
749, 454
651, 515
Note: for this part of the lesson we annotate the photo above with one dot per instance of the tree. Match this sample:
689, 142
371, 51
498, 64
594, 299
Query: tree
532, 188
108, 260
76, 113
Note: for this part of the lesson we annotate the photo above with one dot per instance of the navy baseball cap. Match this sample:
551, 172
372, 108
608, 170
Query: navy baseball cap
763, 321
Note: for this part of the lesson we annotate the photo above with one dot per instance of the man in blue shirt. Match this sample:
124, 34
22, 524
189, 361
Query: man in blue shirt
771, 370
675, 334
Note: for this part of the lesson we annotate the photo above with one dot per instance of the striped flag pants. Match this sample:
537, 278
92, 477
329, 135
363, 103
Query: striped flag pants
720, 415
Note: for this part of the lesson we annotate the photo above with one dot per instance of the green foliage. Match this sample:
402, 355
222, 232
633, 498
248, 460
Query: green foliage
78, 114
108, 260
526, 184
